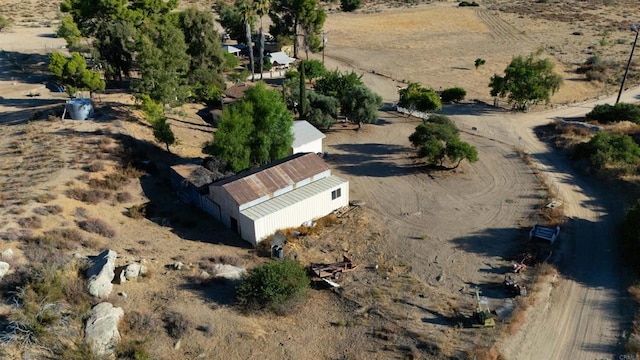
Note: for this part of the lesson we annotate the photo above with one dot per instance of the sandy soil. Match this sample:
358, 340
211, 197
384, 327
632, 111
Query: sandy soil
424, 240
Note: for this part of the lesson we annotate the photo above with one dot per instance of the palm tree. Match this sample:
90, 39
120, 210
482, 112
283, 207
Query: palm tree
246, 9
262, 8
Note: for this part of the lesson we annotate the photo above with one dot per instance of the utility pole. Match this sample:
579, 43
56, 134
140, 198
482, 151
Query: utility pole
626, 70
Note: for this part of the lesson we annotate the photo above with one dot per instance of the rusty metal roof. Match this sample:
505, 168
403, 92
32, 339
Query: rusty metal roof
266, 180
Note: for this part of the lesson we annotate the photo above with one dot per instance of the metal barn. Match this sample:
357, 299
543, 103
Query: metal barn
287, 193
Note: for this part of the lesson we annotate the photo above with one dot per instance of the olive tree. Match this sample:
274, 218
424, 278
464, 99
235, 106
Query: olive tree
527, 81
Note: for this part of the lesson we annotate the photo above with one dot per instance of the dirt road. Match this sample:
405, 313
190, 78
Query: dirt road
585, 315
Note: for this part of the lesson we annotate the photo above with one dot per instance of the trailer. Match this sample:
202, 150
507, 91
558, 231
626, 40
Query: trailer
333, 271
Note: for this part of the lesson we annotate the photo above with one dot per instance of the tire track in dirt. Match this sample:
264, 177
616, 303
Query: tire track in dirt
500, 29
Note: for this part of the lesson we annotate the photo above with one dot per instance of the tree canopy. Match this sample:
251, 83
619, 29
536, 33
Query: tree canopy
73, 73
290, 17
255, 130
527, 81
361, 105
417, 98
437, 140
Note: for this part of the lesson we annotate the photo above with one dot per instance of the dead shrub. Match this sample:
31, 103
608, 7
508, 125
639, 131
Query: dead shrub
123, 197
112, 181
96, 166
45, 197
31, 222
545, 269
140, 323
483, 353
16, 210
48, 210
137, 211
177, 325
81, 212
225, 259
97, 226
50, 247
93, 196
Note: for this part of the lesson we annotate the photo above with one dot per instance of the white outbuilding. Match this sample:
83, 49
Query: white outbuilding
287, 193
306, 138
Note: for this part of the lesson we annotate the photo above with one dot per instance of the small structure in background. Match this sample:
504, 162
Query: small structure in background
280, 60
231, 50
78, 109
306, 138
191, 183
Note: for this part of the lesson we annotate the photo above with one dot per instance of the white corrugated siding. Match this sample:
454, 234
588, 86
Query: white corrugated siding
294, 208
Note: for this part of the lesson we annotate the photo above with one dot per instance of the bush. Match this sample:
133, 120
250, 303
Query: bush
4, 23
177, 325
137, 211
455, 94
32, 222
468, 3
350, 5
607, 113
92, 196
273, 285
97, 226
606, 150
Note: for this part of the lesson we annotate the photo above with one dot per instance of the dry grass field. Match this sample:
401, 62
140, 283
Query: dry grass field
424, 241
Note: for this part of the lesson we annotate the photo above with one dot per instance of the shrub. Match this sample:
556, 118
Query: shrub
177, 324
350, 5
140, 323
272, 285
607, 113
133, 349
606, 150
4, 23
479, 62
468, 3
45, 197
31, 222
48, 210
96, 166
137, 211
122, 197
92, 196
97, 226
455, 94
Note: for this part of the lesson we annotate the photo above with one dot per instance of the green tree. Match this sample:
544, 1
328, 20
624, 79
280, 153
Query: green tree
417, 98
437, 140
74, 74
454, 94
232, 19
273, 286
457, 151
313, 69
163, 133
607, 113
255, 130
527, 81
232, 140
164, 63
323, 110
479, 62
291, 17
154, 114
69, 31
114, 48
205, 52
361, 105
336, 84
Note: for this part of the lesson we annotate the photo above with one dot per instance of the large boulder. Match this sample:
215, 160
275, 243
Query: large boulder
4, 268
228, 272
100, 274
133, 270
101, 329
